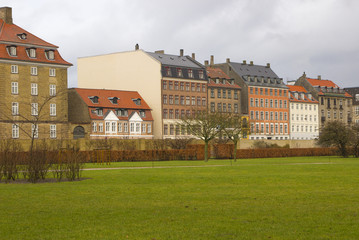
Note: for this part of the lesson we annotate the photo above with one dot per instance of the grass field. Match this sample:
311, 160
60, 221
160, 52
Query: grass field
293, 198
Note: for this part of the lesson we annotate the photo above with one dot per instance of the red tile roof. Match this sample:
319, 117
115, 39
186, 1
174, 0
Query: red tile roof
124, 101
212, 83
9, 36
321, 83
293, 88
216, 73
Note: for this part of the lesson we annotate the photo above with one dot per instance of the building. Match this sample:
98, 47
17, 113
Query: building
99, 113
354, 92
264, 97
33, 84
303, 112
223, 93
334, 102
173, 85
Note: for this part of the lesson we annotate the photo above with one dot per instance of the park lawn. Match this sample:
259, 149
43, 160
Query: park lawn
250, 199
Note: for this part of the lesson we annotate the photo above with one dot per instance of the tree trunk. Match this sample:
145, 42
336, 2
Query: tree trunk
235, 150
206, 151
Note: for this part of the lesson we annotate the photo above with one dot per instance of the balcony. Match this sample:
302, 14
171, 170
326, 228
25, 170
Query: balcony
323, 119
341, 107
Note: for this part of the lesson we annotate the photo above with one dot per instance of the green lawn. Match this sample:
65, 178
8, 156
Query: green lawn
248, 199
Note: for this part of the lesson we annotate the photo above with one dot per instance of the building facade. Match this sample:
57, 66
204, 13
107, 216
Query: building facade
109, 113
264, 97
334, 102
173, 85
303, 111
33, 84
354, 92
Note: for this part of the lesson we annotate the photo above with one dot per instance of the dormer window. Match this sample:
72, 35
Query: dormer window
31, 52
190, 73
99, 111
114, 100
12, 51
232, 82
200, 74
50, 54
179, 72
142, 114
168, 71
22, 36
137, 101
94, 99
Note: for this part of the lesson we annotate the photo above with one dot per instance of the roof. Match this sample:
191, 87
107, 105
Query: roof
175, 60
216, 73
327, 84
293, 88
124, 98
253, 70
9, 35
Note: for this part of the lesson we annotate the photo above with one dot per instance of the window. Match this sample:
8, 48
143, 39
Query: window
262, 102
14, 69
100, 127
235, 94
252, 115
176, 85
164, 99
119, 127
356, 110
224, 93
193, 101
34, 131
251, 90
198, 87
252, 102
187, 87
188, 101
14, 88
257, 102
229, 94
213, 106
229, 107
113, 127
165, 129
94, 127
190, 73
170, 85
357, 97
50, 54
132, 127
266, 103
52, 131
224, 107
179, 72
193, 87
52, 72
165, 113
149, 130
34, 109
15, 131
168, 71
31, 52
164, 85
107, 127
143, 128
182, 86
125, 127
236, 108
99, 111
94, 99
198, 101
219, 107
52, 109
182, 100
171, 99
203, 87
200, 74
219, 92
34, 89
176, 114
12, 51
170, 115
15, 108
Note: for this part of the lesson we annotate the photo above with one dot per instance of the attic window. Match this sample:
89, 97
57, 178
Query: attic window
137, 101
50, 54
22, 36
31, 52
179, 72
94, 99
114, 100
142, 114
200, 74
12, 51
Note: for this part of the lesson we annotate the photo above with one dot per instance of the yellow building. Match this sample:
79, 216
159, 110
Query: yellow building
33, 84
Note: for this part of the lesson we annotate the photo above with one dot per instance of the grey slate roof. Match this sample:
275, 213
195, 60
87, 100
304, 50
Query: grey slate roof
175, 60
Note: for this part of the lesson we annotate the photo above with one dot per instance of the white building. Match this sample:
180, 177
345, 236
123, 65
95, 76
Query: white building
304, 112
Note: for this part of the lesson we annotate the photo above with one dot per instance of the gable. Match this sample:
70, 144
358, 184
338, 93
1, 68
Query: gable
135, 117
111, 116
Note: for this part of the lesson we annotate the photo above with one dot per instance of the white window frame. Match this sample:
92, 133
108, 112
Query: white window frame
14, 69
94, 127
100, 127
52, 109
119, 127
15, 131
125, 127
52, 72
12, 51
14, 88
35, 131
15, 108
34, 88
52, 131
34, 109
149, 128
52, 90
33, 71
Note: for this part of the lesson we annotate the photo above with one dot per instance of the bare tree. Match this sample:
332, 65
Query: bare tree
355, 142
203, 125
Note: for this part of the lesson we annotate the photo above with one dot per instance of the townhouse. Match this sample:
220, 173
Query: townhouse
173, 85
264, 97
99, 114
354, 92
33, 84
303, 111
334, 102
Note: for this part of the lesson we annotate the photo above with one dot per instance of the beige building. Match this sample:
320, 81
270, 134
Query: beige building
334, 102
33, 84
173, 85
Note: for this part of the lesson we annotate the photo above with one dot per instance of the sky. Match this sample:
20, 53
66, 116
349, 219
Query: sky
318, 37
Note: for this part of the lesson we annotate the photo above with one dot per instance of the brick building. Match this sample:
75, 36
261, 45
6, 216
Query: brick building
33, 84
334, 102
99, 113
264, 97
173, 85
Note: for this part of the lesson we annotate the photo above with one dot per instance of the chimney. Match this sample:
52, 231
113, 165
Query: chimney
319, 77
251, 63
244, 62
6, 14
160, 51
268, 65
137, 47
181, 52
206, 63
212, 60
228, 60
193, 56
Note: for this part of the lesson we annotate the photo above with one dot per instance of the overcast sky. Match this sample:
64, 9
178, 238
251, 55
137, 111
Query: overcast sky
319, 37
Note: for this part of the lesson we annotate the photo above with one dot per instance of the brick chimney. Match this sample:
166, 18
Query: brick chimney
268, 65
251, 63
193, 56
181, 52
228, 60
244, 62
206, 63
319, 77
6, 14
212, 60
